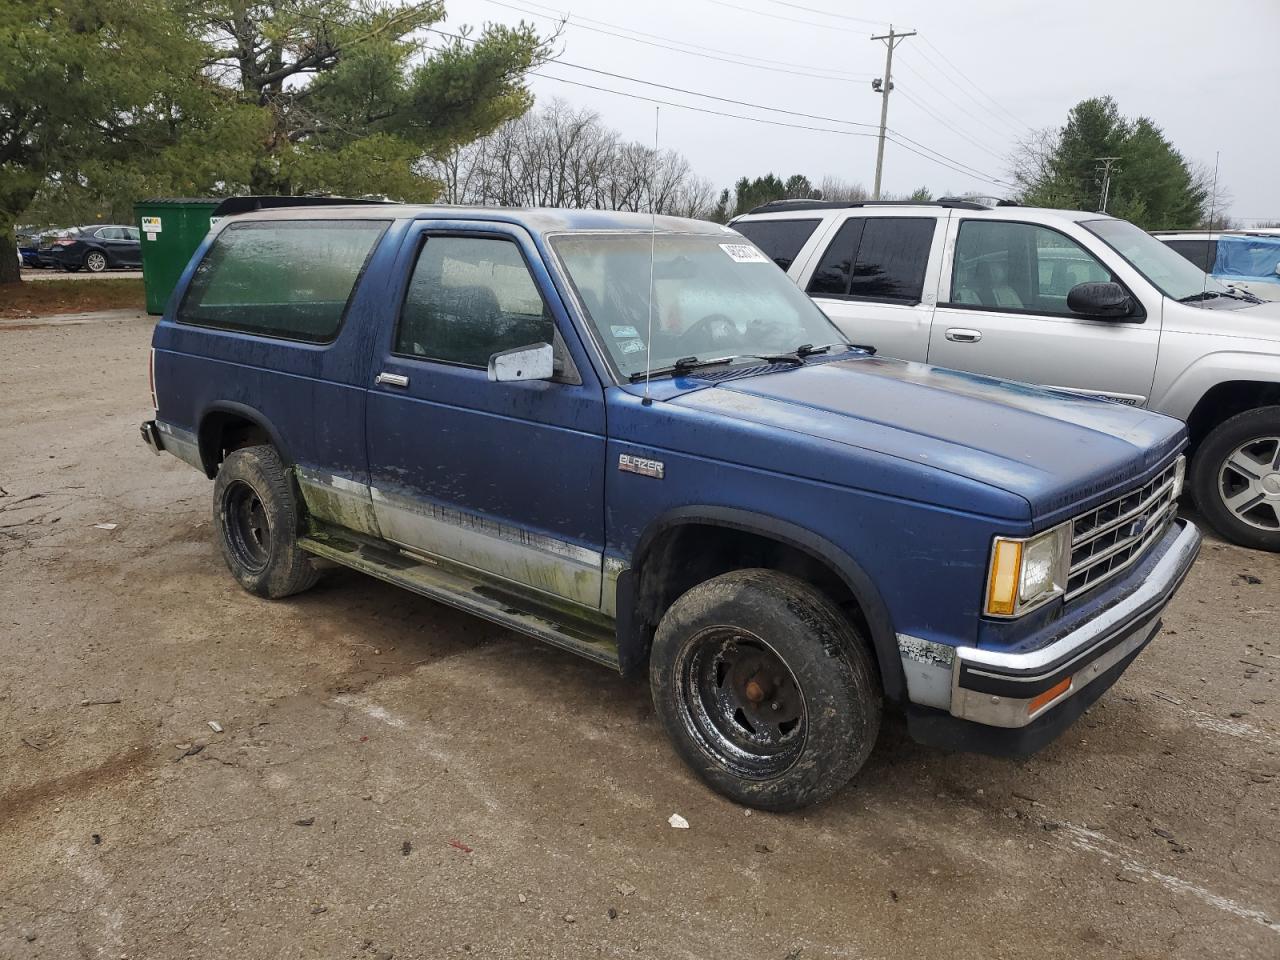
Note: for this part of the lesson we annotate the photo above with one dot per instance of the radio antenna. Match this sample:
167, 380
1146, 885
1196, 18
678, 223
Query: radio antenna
653, 239
1213, 200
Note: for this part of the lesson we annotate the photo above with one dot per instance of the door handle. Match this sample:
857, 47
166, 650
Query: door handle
392, 379
963, 335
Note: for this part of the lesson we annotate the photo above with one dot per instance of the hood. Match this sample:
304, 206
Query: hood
1259, 321
1052, 448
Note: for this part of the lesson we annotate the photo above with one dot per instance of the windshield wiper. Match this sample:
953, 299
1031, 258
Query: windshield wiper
685, 364
1205, 295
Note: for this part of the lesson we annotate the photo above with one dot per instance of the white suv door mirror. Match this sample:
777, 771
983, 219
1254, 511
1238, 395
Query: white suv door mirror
533, 362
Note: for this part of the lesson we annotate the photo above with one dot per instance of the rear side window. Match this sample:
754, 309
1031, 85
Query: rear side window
876, 258
1202, 253
469, 298
284, 278
781, 240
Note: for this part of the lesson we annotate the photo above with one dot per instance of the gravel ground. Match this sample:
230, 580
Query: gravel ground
49, 273
395, 778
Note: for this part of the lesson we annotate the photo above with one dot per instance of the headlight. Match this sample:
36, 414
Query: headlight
1026, 572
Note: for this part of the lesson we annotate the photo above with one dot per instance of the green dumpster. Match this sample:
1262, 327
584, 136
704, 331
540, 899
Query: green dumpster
172, 229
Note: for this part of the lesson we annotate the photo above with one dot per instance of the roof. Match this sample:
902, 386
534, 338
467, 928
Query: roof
538, 220
905, 208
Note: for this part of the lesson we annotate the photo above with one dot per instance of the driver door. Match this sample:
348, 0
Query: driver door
1003, 311
504, 478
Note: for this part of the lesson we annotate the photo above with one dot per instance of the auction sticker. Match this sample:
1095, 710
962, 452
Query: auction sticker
743, 253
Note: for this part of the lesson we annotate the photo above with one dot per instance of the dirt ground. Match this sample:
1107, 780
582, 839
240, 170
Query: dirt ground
44, 293
395, 778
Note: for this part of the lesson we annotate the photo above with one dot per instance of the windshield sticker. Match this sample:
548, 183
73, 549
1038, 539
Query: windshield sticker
632, 346
743, 253
623, 332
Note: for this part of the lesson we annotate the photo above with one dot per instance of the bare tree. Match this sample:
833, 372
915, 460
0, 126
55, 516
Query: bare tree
839, 190
560, 156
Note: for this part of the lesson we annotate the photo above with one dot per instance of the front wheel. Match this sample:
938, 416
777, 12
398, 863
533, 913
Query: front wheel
255, 512
1235, 478
766, 689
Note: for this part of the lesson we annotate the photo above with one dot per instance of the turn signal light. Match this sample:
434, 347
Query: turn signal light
1053, 693
1006, 567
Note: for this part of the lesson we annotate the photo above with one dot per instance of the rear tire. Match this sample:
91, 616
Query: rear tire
95, 261
766, 689
255, 512
1235, 478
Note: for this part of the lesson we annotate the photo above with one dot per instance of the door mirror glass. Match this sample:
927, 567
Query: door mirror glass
1102, 301
534, 362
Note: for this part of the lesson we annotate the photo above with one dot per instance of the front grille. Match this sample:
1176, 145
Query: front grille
1109, 538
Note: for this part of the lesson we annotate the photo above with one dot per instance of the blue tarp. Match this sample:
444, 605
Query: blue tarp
1249, 258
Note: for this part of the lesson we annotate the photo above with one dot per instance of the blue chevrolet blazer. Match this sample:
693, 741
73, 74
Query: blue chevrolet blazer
635, 439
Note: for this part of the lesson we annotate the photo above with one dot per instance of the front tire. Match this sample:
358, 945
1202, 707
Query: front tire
766, 689
255, 512
1235, 478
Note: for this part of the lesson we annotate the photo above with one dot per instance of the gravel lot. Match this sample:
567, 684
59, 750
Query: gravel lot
395, 778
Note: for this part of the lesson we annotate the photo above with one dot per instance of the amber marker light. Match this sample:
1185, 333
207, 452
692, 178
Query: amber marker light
1006, 569
1053, 693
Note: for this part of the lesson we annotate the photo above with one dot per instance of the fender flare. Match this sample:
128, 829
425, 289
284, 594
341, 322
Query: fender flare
1190, 386
632, 642
209, 458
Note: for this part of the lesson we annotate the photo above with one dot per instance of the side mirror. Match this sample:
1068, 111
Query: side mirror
1102, 301
534, 362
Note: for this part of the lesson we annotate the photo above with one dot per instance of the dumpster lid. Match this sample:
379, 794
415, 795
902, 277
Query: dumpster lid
234, 205
162, 200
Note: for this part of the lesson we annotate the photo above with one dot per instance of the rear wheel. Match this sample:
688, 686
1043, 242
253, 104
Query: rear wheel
95, 261
255, 512
765, 688
1236, 478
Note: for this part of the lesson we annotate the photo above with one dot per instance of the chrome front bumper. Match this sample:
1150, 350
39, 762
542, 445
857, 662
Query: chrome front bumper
1011, 690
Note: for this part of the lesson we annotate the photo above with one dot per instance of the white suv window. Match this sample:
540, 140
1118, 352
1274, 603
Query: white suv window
1019, 267
876, 258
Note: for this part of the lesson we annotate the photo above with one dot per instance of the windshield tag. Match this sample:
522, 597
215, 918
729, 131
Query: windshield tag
743, 253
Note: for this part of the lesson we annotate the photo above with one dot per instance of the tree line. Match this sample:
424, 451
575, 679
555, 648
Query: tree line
103, 103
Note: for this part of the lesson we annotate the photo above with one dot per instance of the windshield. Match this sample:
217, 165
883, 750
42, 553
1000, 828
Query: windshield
1170, 271
713, 296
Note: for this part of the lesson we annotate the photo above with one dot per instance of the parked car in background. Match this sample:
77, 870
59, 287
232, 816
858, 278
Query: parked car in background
29, 247
1078, 301
633, 438
95, 248
1246, 260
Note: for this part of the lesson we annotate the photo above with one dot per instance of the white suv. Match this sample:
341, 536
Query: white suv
1080, 301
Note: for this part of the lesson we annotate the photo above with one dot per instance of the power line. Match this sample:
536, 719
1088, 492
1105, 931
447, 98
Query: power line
937, 118
778, 16
959, 106
953, 85
828, 13
726, 56
893, 137
1021, 123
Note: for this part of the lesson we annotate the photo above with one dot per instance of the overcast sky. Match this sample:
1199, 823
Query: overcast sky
990, 69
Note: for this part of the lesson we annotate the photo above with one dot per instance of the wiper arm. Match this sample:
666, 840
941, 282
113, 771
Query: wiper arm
685, 364
1195, 297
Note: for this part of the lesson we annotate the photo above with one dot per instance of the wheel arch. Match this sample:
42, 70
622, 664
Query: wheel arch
646, 588
226, 426
1225, 400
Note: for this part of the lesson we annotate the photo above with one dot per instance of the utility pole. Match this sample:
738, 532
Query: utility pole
882, 87
1105, 170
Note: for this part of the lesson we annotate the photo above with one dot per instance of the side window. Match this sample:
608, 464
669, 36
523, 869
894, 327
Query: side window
469, 298
876, 258
281, 278
108, 233
1200, 252
892, 259
131, 233
1019, 267
780, 240
834, 271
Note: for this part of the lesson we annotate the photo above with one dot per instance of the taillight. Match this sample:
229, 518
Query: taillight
151, 379
63, 243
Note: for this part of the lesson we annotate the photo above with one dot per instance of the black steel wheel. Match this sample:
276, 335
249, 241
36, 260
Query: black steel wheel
741, 701
766, 688
256, 512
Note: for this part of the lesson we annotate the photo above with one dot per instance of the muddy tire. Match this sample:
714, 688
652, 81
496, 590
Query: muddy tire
256, 514
766, 689
1235, 478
